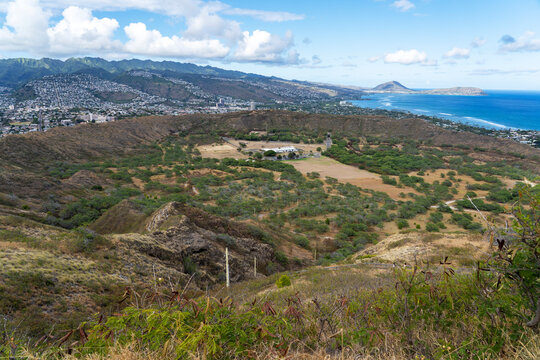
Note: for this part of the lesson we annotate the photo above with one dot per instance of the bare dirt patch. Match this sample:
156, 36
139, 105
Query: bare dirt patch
345, 173
221, 151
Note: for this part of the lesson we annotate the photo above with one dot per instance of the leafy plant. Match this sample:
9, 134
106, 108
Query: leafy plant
283, 281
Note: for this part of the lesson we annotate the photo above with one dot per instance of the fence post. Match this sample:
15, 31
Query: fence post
227, 266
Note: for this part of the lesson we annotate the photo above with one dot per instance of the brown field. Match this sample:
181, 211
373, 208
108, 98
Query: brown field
221, 151
347, 174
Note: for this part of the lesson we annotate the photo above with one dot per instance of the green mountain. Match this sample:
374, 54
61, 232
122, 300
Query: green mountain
16, 72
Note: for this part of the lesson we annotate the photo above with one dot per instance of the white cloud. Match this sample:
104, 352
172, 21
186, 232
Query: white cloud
80, 31
30, 28
208, 24
270, 16
525, 43
262, 46
458, 53
478, 42
406, 57
25, 26
374, 59
403, 5
316, 60
151, 42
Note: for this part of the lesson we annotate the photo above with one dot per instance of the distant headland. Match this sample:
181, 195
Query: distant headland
394, 87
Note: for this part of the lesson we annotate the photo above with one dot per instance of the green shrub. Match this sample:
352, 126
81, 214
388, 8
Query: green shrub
281, 258
302, 241
432, 227
283, 281
402, 223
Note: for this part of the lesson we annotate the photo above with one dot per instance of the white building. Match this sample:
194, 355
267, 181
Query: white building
281, 150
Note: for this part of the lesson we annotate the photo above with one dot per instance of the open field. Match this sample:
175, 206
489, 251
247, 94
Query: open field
326, 166
221, 151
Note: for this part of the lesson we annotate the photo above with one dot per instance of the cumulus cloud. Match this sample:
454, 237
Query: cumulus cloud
262, 46
374, 59
25, 26
407, 57
403, 5
208, 24
152, 42
29, 27
80, 30
458, 53
525, 43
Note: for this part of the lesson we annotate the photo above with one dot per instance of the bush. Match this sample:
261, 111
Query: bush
302, 241
432, 227
189, 265
388, 180
402, 223
281, 258
283, 281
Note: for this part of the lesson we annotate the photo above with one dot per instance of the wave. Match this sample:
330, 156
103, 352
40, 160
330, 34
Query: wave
421, 110
446, 114
470, 118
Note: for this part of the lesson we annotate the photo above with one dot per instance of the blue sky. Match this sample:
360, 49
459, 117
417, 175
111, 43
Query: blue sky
491, 44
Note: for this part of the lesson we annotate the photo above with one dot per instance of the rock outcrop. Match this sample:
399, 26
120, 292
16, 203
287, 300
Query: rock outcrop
176, 240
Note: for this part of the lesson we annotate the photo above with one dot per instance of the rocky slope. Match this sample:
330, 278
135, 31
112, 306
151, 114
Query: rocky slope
50, 275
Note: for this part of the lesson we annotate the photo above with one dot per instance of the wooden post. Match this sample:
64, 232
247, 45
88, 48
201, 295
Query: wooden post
227, 266
255, 266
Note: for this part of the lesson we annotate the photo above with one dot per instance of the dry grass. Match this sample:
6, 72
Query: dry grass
326, 166
461, 248
220, 151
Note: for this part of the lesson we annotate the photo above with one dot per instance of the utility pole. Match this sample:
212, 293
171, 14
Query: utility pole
227, 266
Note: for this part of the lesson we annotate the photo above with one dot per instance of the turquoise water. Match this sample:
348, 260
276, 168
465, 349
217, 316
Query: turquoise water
497, 110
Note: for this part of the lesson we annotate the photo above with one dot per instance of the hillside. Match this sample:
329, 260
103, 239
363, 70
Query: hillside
392, 86
97, 217
85, 83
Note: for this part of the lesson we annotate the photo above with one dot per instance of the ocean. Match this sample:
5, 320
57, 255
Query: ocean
498, 110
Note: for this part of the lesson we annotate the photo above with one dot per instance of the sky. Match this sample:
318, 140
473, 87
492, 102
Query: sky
491, 44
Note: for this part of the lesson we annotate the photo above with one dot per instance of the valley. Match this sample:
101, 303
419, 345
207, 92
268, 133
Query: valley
148, 206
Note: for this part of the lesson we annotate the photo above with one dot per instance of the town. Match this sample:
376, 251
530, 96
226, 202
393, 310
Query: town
71, 99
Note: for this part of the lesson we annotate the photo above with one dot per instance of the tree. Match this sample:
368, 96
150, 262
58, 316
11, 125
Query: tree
270, 153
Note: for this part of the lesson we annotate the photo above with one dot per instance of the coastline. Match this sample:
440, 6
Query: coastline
499, 110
